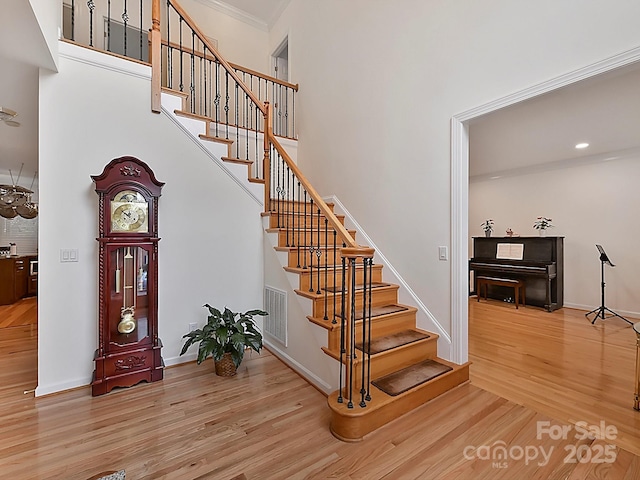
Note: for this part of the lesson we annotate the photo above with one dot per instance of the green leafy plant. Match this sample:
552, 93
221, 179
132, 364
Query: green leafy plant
542, 223
226, 332
487, 225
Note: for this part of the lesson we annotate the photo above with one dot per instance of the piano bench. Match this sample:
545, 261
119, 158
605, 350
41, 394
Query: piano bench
517, 285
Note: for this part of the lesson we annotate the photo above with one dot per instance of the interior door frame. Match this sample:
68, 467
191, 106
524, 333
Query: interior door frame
460, 187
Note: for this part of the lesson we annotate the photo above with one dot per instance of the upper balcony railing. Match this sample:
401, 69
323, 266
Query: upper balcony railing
122, 27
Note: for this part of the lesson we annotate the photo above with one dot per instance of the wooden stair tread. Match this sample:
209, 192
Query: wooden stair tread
314, 295
330, 267
410, 377
395, 340
211, 138
241, 161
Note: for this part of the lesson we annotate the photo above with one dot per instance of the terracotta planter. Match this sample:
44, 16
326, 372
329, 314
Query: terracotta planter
225, 366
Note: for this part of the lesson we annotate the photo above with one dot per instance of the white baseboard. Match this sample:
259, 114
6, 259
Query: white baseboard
301, 369
588, 308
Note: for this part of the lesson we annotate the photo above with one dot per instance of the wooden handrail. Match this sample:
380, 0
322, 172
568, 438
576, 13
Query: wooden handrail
199, 54
346, 238
178, 8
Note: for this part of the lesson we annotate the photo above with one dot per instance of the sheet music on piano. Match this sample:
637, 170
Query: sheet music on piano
510, 251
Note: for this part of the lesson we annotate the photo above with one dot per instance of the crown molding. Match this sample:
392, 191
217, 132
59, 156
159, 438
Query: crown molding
236, 13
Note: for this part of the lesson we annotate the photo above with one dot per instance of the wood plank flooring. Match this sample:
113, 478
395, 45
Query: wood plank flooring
558, 364
268, 423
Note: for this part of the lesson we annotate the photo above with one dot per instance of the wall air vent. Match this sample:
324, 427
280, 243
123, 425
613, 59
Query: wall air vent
275, 324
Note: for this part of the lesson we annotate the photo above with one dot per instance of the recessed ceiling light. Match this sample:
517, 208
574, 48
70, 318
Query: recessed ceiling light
582, 145
496, 177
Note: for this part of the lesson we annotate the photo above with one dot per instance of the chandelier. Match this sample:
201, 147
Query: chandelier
16, 200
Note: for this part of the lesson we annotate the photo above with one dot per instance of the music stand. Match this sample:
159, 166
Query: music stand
601, 310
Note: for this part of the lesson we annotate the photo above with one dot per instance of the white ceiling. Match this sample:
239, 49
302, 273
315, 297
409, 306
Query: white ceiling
541, 133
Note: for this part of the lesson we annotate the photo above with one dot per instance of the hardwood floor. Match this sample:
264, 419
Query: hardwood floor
268, 423
558, 364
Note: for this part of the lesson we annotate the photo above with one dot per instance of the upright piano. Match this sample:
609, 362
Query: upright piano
541, 268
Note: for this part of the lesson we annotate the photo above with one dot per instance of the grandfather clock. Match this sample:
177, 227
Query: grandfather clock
128, 345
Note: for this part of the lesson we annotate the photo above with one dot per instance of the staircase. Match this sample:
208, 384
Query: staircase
388, 366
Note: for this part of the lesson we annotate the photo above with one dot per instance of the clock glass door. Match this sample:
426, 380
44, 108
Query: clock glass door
129, 296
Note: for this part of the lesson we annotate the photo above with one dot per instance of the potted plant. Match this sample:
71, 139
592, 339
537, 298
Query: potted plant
487, 226
225, 337
541, 224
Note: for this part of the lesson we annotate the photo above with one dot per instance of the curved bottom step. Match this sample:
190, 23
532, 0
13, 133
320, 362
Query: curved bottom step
352, 424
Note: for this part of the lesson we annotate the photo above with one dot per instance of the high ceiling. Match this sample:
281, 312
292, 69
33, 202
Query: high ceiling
539, 133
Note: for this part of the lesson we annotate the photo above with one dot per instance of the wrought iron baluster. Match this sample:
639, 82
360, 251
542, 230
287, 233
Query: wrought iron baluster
364, 331
305, 227
298, 223
326, 266
125, 19
73, 20
216, 101
318, 252
169, 49
287, 208
286, 111
335, 285
141, 31
192, 87
109, 26
311, 245
226, 105
352, 328
280, 129
342, 329
91, 6
181, 58
368, 396
237, 123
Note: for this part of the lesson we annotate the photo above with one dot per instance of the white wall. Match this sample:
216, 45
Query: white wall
590, 204
48, 16
238, 41
211, 247
397, 72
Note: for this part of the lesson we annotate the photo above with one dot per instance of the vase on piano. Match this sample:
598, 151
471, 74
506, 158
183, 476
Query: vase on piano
487, 234
542, 232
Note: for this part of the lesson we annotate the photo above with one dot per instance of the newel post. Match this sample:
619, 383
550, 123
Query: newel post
156, 57
266, 161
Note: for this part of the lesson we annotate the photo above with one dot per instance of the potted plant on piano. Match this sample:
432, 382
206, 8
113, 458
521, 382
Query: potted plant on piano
225, 337
541, 224
487, 226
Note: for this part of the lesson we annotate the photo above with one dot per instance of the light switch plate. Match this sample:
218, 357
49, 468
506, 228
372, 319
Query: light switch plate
443, 254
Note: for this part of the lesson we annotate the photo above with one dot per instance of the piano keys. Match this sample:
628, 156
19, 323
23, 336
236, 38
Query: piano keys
541, 268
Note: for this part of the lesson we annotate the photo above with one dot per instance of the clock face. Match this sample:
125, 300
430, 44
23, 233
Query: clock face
129, 212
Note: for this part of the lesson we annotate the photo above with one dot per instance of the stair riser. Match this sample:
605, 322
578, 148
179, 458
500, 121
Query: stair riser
304, 256
297, 221
398, 358
381, 296
291, 206
380, 327
293, 237
352, 428
306, 281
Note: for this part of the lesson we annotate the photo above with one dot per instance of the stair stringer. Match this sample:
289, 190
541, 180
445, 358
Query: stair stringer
194, 128
306, 340
425, 320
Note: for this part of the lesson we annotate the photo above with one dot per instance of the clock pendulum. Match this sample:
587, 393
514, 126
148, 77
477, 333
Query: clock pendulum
127, 322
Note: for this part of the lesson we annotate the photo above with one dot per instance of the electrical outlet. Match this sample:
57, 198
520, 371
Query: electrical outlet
193, 326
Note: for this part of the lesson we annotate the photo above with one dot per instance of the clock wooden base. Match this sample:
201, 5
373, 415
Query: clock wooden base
126, 369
